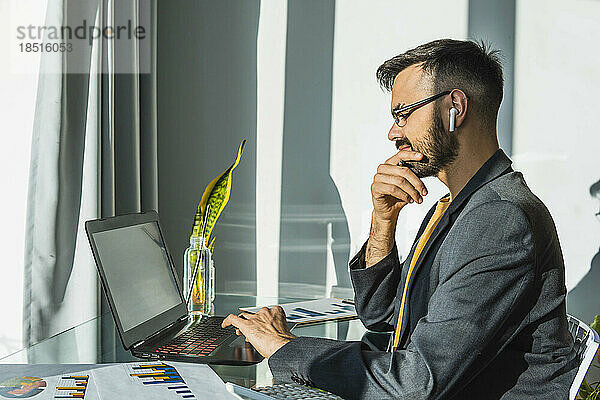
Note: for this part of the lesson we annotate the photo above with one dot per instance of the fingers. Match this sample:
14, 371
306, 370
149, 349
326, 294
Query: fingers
234, 320
404, 155
394, 181
401, 183
404, 172
265, 314
382, 189
402, 177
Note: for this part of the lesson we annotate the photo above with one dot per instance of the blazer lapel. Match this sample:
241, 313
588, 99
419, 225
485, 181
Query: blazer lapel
498, 164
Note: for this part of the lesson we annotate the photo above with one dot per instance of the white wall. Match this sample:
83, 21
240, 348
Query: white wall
366, 34
556, 133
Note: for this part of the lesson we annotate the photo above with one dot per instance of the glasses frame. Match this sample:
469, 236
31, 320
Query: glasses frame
403, 113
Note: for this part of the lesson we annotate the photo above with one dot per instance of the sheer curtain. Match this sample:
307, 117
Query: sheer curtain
93, 154
57, 291
18, 80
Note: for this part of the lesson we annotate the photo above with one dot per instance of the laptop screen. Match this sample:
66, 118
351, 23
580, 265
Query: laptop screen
138, 272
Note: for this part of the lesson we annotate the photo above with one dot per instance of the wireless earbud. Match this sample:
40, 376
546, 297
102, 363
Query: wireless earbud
453, 112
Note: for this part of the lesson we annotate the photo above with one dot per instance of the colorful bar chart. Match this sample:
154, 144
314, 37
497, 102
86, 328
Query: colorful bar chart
299, 313
152, 375
71, 387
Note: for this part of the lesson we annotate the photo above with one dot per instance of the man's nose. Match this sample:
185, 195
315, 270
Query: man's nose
395, 132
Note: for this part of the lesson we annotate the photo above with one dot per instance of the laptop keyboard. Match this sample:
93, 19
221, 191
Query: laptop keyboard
200, 340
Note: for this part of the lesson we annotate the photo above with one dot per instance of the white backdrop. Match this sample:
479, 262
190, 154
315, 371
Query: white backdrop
366, 34
556, 132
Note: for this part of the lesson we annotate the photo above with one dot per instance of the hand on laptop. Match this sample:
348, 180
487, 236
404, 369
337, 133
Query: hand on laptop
266, 330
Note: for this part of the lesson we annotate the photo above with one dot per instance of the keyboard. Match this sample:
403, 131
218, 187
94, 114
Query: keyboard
294, 391
200, 340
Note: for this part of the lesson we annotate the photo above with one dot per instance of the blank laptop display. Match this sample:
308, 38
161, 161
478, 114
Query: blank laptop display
137, 270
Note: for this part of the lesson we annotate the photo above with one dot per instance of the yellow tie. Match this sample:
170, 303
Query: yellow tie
435, 218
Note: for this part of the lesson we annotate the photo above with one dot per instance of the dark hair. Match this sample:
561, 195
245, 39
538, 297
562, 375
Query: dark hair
455, 64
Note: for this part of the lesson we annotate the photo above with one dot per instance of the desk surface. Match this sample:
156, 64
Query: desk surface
97, 341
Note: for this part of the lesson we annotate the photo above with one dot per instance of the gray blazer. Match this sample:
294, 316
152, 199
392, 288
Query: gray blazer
485, 315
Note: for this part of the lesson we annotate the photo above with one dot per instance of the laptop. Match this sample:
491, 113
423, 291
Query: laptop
150, 313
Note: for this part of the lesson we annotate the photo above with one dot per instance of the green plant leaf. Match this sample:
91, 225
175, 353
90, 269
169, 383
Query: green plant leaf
217, 195
197, 224
585, 390
595, 325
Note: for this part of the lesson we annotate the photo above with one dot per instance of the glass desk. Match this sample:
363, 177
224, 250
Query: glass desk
97, 341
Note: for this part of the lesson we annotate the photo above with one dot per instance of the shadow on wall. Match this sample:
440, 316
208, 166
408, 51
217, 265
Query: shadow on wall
314, 236
583, 300
206, 106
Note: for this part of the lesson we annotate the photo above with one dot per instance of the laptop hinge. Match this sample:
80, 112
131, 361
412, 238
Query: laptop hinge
137, 344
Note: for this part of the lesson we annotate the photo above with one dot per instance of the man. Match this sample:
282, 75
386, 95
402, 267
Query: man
477, 308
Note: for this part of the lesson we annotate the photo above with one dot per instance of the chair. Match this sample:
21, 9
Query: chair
586, 344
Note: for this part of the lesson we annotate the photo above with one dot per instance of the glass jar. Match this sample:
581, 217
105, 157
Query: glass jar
198, 256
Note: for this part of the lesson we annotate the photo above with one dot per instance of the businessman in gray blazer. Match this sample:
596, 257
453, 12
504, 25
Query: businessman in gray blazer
477, 309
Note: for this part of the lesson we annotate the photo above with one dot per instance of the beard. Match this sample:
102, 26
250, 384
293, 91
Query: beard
439, 149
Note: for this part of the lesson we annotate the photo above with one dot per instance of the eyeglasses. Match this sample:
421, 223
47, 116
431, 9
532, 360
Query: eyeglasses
401, 115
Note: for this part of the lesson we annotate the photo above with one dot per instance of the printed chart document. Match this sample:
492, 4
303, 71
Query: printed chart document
47, 381
155, 380
312, 311
131, 381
